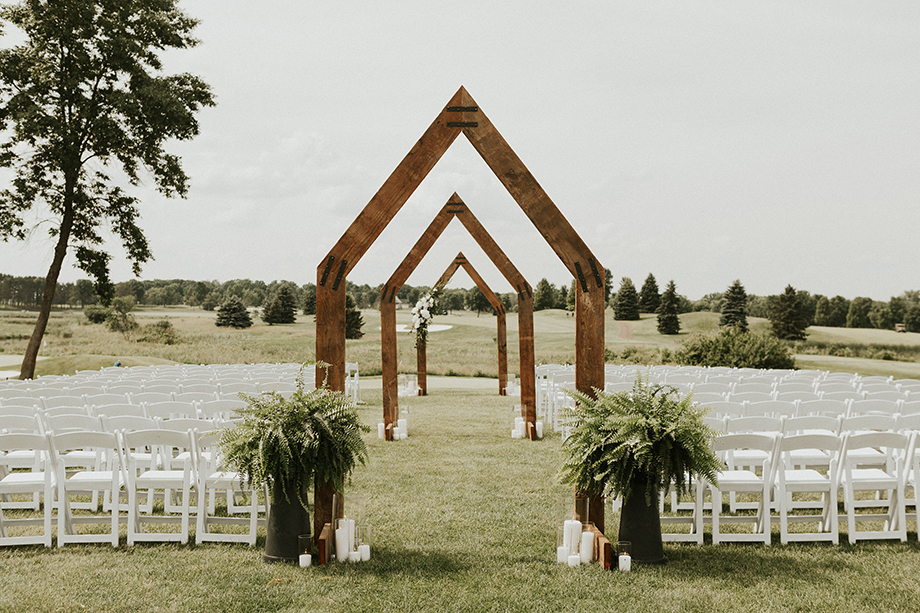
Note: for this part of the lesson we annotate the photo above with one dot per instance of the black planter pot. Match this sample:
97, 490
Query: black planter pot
286, 521
640, 524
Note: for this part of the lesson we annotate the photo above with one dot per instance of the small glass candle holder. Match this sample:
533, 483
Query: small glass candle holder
363, 541
624, 557
304, 547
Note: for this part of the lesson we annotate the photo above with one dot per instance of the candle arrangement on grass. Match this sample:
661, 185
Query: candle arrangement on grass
519, 425
574, 534
352, 533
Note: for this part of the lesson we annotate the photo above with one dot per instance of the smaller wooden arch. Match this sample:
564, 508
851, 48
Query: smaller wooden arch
455, 207
500, 315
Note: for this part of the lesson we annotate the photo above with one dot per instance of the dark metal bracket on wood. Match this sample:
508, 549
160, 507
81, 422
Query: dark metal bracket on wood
339, 275
581, 277
597, 276
462, 124
329, 262
462, 109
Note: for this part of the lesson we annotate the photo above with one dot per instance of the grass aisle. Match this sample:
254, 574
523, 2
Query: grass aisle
463, 521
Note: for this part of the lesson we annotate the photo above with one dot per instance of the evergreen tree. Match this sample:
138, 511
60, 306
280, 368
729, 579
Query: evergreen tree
626, 305
232, 314
353, 319
648, 296
544, 296
570, 299
562, 297
668, 321
608, 285
309, 299
734, 307
282, 309
786, 317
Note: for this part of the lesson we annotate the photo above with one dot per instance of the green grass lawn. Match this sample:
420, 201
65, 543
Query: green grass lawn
463, 520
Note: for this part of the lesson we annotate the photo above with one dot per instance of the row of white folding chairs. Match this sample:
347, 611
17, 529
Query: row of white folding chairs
810, 407
225, 408
773, 467
122, 463
175, 390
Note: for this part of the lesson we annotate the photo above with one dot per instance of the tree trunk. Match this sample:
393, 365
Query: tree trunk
27, 370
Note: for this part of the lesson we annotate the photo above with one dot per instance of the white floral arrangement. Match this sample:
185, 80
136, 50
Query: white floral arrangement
422, 314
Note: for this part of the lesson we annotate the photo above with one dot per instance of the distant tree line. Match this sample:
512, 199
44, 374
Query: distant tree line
812, 309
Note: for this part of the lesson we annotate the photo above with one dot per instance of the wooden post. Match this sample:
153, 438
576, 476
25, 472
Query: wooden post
501, 335
389, 364
528, 376
324, 545
330, 333
421, 358
589, 358
323, 500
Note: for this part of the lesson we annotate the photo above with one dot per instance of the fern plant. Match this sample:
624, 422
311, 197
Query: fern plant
641, 441
315, 433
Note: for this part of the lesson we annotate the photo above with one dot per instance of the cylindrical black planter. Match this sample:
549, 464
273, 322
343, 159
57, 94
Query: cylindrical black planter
640, 524
286, 521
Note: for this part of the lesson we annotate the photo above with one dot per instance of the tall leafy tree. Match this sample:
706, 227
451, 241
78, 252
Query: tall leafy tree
858, 313
544, 295
84, 93
477, 301
668, 321
786, 318
626, 303
649, 299
734, 307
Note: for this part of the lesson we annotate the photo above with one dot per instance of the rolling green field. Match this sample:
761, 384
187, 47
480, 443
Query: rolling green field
466, 349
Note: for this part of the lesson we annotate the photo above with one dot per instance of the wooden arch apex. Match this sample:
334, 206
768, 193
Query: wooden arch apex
461, 114
455, 207
501, 336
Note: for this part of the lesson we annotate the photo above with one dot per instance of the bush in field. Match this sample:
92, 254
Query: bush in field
96, 314
626, 304
736, 349
734, 307
161, 332
786, 317
120, 318
668, 321
232, 314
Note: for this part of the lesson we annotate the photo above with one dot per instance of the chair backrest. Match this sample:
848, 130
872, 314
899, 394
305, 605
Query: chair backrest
222, 409
750, 396
196, 396
799, 395
189, 424
726, 444
19, 410
72, 423
718, 388
891, 395
812, 424
869, 421
112, 410
823, 407
841, 396
20, 401
239, 386
20, 424
726, 408
743, 387
774, 408
825, 442
22, 441
207, 388
885, 407
834, 386
150, 397
98, 400
125, 388
893, 443
163, 388
756, 423
80, 410
46, 391
795, 386
120, 423
171, 409
105, 444
910, 407
168, 444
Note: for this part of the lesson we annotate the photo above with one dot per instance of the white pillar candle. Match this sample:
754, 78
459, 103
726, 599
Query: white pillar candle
341, 544
350, 526
539, 429
403, 425
587, 547
574, 559
365, 551
562, 554
305, 560
624, 563
381, 430
354, 556
572, 534
515, 433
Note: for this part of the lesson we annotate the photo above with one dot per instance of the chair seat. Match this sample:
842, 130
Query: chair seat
738, 479
15, 482
871, 478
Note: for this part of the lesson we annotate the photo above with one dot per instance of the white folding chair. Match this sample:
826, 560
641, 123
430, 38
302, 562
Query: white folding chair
104, 474
224, 410
744, 481
40, 480
163, 445
890, 479
791, 481
211, 479
352, 381
172, 409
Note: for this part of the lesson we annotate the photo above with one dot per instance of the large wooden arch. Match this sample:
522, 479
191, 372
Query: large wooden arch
501, 323
455, 207
460, 115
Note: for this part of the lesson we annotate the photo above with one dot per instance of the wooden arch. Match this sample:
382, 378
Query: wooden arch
460, 115
501, 332
455, 207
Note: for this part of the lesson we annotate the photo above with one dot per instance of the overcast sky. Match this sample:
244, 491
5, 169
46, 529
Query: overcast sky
772, 142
